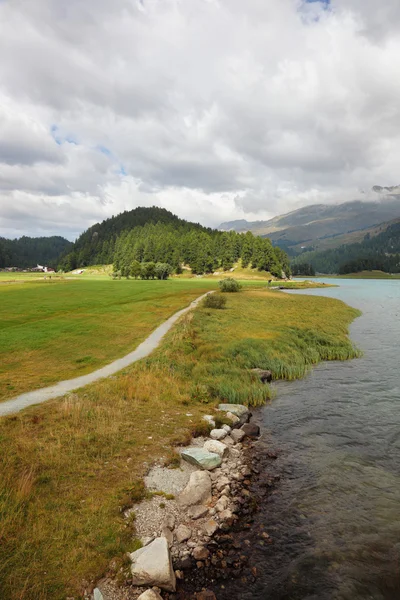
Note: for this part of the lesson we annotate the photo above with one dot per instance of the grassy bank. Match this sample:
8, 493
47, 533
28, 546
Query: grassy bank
68, 467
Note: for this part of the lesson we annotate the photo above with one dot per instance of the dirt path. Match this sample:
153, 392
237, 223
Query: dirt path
63, 387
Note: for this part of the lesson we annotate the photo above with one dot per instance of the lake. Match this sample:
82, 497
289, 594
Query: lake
334, 516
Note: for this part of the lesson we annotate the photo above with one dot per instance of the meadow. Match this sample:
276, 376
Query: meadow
70, 466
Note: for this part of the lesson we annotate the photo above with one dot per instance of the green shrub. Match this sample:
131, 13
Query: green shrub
229, 285
214, 301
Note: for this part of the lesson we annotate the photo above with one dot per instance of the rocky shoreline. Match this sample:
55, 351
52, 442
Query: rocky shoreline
187, 528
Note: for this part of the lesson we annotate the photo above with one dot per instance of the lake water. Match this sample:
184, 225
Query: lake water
334, 517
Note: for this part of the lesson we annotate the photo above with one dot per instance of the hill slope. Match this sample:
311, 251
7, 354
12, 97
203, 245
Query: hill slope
319, 226
380, 252
154, 235
27, 252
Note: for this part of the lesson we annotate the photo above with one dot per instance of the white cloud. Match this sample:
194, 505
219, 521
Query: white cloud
215, 109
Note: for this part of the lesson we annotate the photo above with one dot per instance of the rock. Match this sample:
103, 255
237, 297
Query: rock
179, 574
97, 595
152, 565
251, 430
209, 419
197, 491
170, 522
169, 536
206, 595
228, 441
218, 434
150, 595
236, 409
237, 435
196, 512
222, 504
201, 458
147, 540
235, 419
221, 483
263, 374
182, 533
227, 428
210, 527
216, 447
200, 553
225, 515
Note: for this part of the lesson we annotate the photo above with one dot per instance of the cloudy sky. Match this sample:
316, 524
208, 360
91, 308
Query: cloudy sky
214, 109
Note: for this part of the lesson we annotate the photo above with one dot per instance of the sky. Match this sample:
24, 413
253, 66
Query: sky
214, 109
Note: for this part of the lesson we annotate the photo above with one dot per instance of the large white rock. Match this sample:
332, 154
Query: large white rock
209, 419
216, 447
218, 434
97, 595
236, 409
197, 491
150, 595
152, 565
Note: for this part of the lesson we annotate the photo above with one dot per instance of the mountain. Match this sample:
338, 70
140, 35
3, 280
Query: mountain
145, 236
320, 226
380, 251
27, 252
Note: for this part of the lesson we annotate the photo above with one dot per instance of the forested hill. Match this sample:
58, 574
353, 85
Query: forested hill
27, 252
381, 252
147, 235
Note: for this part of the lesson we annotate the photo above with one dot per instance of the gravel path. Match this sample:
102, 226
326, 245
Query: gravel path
63, 387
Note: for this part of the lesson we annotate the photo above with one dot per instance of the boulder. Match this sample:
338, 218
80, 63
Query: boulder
182, 533
236, 409
97, 595
196, 512
237, 435
251, 430
227, 428
228, 441
222, 504
197, 491
263, 374
218, 434
152, 565
169, 536
150, 595
216, 447
201, 458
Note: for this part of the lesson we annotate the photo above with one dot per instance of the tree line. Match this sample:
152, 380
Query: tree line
135, 245
381, 252
27, 252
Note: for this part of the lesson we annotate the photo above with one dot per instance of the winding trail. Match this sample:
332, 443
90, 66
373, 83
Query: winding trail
63, 387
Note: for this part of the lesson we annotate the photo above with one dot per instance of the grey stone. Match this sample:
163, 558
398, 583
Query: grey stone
167, 533
228, 441
216, 447
209, 419
225, 515
263, 374
237, 435
222, 504
251, 430
170, 522
152, 565
201, 458
97, 595
221, 483
197, 512
210, 527
150, 595
234, 418
236, 409
218, 434
197, 491
147, 540
182, 533
200, 553
227, 428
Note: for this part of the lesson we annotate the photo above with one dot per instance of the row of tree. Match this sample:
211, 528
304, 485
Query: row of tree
27, 252
174, 242
381, 252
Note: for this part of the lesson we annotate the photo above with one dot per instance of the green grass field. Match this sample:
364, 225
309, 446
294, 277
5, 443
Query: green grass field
68, 466
58, 329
